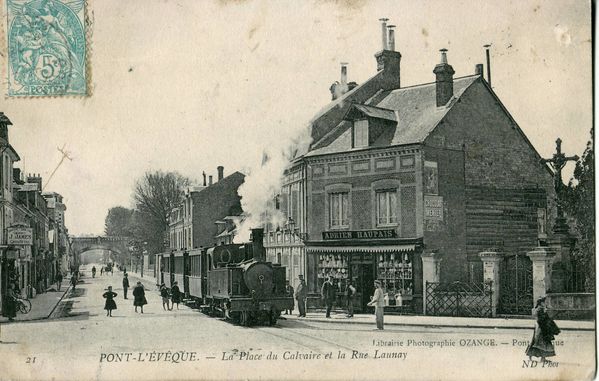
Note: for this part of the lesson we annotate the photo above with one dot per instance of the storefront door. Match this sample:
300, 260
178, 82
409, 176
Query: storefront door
362, 274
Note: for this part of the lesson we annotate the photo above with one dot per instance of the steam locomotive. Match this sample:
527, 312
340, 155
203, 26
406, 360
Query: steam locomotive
231, 280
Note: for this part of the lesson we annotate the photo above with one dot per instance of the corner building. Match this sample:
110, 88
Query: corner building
395, 172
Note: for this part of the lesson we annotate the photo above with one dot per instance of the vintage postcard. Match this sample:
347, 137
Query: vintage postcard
301, 190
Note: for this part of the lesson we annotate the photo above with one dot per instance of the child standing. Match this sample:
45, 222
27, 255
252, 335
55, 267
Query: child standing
164, 294
110, 303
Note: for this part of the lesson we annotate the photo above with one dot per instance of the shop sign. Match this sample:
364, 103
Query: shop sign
360, 234
433, 208
20, 236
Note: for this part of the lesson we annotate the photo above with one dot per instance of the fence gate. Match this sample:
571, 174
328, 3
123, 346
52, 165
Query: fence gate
515, 294
459, 299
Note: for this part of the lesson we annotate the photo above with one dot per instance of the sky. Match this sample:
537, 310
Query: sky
189, 85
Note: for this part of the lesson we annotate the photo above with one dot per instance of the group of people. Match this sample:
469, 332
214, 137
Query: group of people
170, 299
139, 296
107, 269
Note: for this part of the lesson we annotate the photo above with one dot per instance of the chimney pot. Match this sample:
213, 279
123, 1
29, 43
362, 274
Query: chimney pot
209, 180
204, 176
488, 53
384, 30
220, 170
343, 73
391, 37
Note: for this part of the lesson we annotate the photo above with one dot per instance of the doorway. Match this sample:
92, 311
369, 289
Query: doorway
362, 276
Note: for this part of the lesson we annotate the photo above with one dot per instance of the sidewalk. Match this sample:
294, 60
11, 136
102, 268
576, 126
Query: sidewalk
442, 321
42, 305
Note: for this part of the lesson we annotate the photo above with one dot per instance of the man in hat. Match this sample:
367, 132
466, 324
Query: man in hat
328, 294
301, 294
125, 285
378, 301
288, 292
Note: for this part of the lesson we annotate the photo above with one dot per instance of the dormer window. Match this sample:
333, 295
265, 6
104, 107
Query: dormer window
360, 133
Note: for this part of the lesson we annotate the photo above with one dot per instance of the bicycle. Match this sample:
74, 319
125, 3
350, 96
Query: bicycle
24, 305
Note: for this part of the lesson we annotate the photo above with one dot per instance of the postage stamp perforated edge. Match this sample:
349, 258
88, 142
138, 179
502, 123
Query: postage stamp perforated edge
87, 23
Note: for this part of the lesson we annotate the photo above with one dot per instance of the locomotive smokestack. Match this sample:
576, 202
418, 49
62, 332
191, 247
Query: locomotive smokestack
258, 244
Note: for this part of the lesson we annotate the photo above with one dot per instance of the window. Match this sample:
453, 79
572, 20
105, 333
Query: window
386, 207
360, 133
338, 206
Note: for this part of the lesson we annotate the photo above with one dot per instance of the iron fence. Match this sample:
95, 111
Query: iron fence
459, 299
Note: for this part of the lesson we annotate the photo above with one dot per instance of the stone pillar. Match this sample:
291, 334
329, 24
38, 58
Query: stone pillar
491, 261
430, 272
541, 258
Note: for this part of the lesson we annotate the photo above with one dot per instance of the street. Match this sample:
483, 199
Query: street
187, 344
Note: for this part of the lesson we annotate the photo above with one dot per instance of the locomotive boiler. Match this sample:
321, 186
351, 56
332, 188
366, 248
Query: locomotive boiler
234, 281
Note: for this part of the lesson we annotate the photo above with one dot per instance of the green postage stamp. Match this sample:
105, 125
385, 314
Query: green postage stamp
46, 48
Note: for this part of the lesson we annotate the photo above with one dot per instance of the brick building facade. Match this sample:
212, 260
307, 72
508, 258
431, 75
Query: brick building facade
394, 172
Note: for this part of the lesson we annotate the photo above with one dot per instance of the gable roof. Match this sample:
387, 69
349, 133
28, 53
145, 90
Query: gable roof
415, 109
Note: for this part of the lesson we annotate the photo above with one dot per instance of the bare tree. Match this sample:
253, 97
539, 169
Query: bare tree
156, 194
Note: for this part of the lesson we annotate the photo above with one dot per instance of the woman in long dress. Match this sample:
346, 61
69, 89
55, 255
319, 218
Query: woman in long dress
110, 303
139, 297
545, 329
175, 295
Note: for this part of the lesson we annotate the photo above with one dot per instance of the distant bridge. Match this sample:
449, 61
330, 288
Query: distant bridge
116, 245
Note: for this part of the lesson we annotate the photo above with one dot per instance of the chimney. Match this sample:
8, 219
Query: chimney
339, 88
35, 179
444, 82
209, 180
388, 60
204, 175
488, 63
478, 69
258, 244
220, 170
391, 37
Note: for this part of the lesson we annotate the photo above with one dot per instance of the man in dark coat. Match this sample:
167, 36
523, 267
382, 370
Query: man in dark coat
288, 292
328, 294
125, 285
58, 280
301, 293
10, 303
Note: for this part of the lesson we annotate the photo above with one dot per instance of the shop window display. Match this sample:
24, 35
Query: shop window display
395, 271
337, 267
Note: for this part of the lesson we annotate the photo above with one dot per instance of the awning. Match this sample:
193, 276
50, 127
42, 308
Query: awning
361, 249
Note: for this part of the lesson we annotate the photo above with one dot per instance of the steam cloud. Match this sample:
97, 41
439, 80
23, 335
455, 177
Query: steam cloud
264, 180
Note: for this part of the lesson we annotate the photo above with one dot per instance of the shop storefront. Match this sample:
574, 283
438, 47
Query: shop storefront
361, 257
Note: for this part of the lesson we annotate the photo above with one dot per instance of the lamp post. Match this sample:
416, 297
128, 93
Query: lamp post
143, 253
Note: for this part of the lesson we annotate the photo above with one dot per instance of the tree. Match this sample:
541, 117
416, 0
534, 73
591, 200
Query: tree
118, 222
579, 202
156, 195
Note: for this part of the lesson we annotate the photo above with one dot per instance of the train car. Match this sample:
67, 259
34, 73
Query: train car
169, 267
196, 279
158, 269
178, 269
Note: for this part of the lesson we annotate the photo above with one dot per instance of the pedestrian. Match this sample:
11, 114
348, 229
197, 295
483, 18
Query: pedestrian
164, 294
289, 292
10, 304
328, 294
545, 329
101, 270
110, 303
350, 291
378, 301
94, 272
175, 295
74, 280
125, 285
300, 295
59, 280
139, 297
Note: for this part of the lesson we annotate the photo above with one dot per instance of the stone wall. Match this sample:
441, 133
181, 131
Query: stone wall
571, 305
